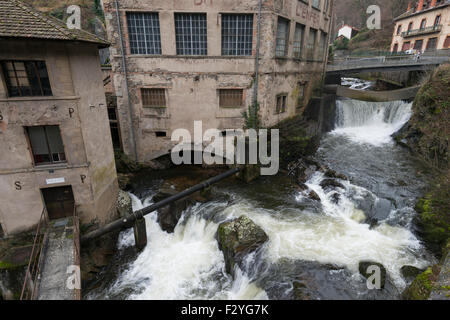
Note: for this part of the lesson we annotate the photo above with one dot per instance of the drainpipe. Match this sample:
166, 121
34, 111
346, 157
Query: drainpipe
125, 72
327, 54
258, 45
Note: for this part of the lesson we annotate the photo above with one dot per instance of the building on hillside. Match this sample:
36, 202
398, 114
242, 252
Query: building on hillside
425, 26
56, 144
196, 60
347, 31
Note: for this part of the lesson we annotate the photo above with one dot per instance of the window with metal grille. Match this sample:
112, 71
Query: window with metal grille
231, 98
237, 34
311, 43
191, 33
144, 33
281, 103
298, 40
26, 78
46, 144
153, 98
282, 37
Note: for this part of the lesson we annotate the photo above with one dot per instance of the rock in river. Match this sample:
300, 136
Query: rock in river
237, 239
366, 272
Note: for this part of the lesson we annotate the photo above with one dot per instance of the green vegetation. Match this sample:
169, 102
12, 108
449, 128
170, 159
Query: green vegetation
251, 117
422, 286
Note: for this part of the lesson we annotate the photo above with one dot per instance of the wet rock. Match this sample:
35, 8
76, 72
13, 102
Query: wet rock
330, 183
314, 196
124, 205
333, 174
335, 198
410, 272
124, 180
421, 287
302, 187
301, 291
364, 267
382, 209
237, 239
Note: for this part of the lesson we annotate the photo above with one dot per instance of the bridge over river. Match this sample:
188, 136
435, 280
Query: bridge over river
346, 66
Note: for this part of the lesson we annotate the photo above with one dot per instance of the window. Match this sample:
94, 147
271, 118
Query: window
282, 37
418, 44
325, 8
153, 98
237, 34
423, 24
298, 40
447, 43
410, 26
323, 45
281, 103
311, 43
395, 50
437, 21
432, 44
160, 134
191, 34
46, 144
399, 29
406, 46
144, 33
231, 98
316, 4
114, 127
26, 78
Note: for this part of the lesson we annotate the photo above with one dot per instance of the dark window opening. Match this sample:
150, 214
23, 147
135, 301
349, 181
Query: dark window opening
237, 34
310, 48
144, 33
282, 41
437, 21
26, 78
231, 98
423, 24
114, 127
432, 44
153, 98
2, 233
46, 145
281, 104
418, 45
59, 202
395, 50
161, 134
191, 34
399, 29
410, 26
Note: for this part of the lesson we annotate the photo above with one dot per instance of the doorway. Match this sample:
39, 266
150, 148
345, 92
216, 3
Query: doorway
59, 202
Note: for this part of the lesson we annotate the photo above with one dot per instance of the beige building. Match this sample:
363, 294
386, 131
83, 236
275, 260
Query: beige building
54, 135
425, 26
195, 60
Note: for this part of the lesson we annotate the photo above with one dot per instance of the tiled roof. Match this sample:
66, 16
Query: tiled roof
18, 20
414, 13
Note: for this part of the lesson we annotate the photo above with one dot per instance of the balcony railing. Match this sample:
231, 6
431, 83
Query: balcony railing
417, 32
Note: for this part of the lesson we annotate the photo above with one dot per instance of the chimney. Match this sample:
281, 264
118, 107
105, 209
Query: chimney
410, 5
420, 7
433, 3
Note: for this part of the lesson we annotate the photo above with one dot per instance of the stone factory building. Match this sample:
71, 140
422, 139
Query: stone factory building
425, 26
56, 149
197, 60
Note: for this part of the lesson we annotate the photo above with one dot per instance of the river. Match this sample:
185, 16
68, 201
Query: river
314, 245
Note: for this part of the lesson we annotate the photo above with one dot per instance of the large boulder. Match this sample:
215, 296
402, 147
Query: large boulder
237, 239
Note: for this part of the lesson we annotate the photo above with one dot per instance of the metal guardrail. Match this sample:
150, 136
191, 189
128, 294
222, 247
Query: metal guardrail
33, 271
385, 61
416, 32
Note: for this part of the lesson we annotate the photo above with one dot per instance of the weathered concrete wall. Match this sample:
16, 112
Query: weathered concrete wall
192, 83
78, 107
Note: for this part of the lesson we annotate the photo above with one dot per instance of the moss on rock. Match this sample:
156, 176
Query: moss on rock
422, 286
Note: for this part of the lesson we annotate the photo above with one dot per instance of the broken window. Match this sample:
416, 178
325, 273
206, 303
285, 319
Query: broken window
46, 144
144, 33
153, 98
282, 37
281, 103
191, 33
237, 34
311, 44
26, 78
231, 98
298, 40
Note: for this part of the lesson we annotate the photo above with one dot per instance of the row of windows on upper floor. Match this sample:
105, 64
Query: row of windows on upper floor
423, 25
237, 35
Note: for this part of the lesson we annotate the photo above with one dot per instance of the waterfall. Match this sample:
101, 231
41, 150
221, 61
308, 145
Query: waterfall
371, 122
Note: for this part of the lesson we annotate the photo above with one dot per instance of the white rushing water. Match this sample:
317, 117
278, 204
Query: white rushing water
371, 122
189, 265
358, 84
